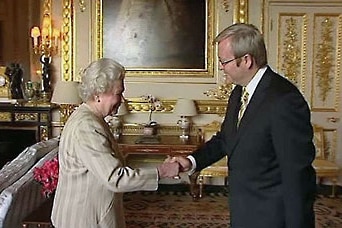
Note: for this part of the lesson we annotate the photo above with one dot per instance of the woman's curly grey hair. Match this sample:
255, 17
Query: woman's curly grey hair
100, 77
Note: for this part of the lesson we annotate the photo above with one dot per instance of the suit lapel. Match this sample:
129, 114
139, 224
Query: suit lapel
231, 118
252, 108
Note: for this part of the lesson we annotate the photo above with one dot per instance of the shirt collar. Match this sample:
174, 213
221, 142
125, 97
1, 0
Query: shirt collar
255, 81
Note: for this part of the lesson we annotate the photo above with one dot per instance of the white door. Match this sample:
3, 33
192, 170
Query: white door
304, 40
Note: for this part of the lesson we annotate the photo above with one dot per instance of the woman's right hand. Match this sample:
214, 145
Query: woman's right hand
168, 169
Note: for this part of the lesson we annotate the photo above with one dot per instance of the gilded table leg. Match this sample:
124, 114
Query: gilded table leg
200, 182
333, 187
194, 189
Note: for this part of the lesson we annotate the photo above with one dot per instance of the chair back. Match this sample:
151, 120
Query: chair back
318, 141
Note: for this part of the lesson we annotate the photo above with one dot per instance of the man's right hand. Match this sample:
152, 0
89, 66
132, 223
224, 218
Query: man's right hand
184, 163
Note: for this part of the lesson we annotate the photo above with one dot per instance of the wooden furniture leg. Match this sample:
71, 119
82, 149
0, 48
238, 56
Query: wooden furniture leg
194, 188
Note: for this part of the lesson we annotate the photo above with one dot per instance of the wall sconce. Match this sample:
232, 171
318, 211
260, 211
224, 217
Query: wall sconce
45, 44
185, 108
115, 121
66, 96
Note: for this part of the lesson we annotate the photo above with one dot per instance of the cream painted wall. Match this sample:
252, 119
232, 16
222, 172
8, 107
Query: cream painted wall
163, 88
225, 14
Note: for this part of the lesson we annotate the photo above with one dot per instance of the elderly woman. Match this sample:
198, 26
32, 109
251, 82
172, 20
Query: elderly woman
92, 175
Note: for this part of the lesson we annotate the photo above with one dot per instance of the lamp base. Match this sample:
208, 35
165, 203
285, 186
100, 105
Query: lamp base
184, 125
45, 97
185, 137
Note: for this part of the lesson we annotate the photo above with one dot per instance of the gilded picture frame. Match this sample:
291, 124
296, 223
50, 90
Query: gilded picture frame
170, 61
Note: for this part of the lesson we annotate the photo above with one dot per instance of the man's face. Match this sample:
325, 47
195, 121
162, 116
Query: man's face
232, 67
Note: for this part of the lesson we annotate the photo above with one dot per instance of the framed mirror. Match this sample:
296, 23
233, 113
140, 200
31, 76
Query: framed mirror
166, 38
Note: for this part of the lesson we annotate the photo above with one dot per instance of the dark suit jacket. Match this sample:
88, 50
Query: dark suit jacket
271, 179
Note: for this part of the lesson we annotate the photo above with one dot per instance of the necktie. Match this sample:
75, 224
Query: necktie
244, 102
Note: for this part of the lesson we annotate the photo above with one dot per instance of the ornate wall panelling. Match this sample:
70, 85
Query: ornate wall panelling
68, 41
304, 40
241, 11
327, 62
286, 35
307, 43
79, 17
330, 144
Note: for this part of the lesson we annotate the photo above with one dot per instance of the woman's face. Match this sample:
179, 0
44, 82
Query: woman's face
111, 100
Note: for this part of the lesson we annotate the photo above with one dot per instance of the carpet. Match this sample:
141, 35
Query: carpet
172, 207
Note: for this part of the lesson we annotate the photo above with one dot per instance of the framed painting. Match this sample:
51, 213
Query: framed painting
157, 38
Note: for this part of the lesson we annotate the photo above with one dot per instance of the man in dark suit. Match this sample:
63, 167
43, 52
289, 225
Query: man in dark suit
270, 150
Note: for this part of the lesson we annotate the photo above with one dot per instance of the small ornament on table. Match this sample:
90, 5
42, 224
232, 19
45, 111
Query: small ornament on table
150, 127
29, 91
46, 74
15, 73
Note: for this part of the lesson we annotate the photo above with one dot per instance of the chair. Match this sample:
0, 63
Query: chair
218, 169
324, 167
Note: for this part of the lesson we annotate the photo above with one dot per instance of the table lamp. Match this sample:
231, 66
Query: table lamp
185, 108
66, 96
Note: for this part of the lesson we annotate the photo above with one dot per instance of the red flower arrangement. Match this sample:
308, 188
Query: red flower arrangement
47, 175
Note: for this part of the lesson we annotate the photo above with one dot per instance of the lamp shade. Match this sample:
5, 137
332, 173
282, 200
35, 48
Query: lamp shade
185, 107
66, 92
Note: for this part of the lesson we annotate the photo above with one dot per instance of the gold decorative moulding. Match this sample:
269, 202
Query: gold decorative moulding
5, 116
26, 117
136, 105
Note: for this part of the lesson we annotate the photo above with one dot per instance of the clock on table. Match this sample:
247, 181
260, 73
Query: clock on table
5, 90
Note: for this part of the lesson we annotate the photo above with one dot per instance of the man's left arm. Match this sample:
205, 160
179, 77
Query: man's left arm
292, 135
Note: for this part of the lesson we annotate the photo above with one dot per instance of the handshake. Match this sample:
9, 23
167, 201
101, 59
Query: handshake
172, 166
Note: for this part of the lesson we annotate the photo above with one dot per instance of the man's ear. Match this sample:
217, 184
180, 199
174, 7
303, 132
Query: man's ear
249, 60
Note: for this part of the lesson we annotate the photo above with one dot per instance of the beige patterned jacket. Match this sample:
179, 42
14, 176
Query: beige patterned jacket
92, 175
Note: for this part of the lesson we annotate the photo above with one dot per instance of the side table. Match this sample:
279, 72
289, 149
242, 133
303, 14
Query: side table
171, 145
